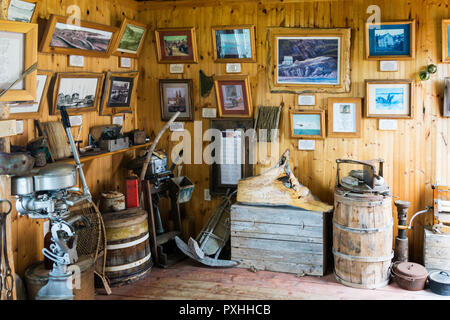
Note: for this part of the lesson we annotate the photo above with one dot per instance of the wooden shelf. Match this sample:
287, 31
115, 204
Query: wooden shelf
105, 154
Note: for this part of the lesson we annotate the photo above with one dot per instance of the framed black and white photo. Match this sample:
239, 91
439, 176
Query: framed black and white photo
23, 10
118, 92
77, 91
33, 109
176, 95
234, 43
446, 106
344, 117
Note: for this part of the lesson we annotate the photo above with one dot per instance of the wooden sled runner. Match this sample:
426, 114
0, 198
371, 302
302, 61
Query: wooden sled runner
279, 186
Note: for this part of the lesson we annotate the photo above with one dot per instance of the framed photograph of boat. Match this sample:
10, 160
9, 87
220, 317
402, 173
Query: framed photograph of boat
18, 53
176, 95
176, 45
344, 117
23, 10
308, 124
391, 40
25, 110
389, 99
118, 92
130, 39
233, 96
234, 43
309, 60
78, 91
88, 39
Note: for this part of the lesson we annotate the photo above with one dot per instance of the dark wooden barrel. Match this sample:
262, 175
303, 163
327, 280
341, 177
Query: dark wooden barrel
362, 239
128, 256
36, 276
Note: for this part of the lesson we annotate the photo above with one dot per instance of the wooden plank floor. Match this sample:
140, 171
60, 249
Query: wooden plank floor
189, 280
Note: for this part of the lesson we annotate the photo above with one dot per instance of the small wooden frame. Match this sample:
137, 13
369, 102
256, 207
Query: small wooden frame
28, 3
446, 104
30, 32
251, 45
412, 40
350, 106
165, 54
109, 107
321, 120
41, 99
445, 42
185, 92
120, 49
241, 83
282, 61
77, 75
394, 115
63, 43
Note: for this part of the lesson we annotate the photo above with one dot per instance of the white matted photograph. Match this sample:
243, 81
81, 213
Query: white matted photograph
389, 98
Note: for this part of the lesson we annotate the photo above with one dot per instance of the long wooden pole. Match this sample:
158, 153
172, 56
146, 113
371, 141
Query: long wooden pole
5, 193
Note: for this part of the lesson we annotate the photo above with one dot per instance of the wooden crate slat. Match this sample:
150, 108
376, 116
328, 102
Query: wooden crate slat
276, 237
296, 268
277, 229
277, 255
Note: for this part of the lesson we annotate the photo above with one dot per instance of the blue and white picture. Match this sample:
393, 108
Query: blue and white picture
390, 40
389, 99
306, 124
233, 44
308, 60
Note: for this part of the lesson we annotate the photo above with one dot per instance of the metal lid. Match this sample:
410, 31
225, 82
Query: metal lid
411, 270
57, 169
440, 276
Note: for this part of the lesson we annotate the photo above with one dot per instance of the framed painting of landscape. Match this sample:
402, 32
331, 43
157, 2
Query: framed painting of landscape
308, 124
88, 39
234, 43
309, 60
118, 92
130, 39
176, 45
23, 10
176, 95
78, 91
389, 99
391, 40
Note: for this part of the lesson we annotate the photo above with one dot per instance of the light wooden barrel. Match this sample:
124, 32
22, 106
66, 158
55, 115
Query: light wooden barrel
36, 276
128, 256
362, 239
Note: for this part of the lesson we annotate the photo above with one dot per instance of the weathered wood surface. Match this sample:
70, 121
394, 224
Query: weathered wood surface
436, 250
362, 240
283, 239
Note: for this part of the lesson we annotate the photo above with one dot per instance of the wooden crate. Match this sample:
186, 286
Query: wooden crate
436, 250
282, 239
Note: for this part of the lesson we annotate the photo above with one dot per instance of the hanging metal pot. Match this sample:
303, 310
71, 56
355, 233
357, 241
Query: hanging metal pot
439, 282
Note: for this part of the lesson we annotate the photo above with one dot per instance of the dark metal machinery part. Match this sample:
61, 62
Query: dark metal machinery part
401, 241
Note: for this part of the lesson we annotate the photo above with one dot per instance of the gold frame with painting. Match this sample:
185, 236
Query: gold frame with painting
121, 52
237, 80
191, 45
320, 136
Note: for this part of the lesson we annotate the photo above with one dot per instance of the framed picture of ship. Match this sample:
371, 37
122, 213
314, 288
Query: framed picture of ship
233, 96
118, 92
389, 99
234, 43
78, 91
176, 95
390, 40
309, 60
87, 39
308, 124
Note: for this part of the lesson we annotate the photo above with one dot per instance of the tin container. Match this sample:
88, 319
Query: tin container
112, 201
409, 275
440, 282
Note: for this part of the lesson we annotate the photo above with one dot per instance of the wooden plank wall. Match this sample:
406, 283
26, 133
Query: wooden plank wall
417, 154
102, 174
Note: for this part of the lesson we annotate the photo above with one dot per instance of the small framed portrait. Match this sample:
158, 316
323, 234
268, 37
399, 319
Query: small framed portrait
118, 92
34, 109
23, 10
130, 39
176, 45
344, 117
446, 106
389, 99
176, 95
445, 42
234, 43
18, 53
77, 91
233, 96
391, 40
87, 39
308, 124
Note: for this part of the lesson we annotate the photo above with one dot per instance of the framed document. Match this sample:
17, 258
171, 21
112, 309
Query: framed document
344, 117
